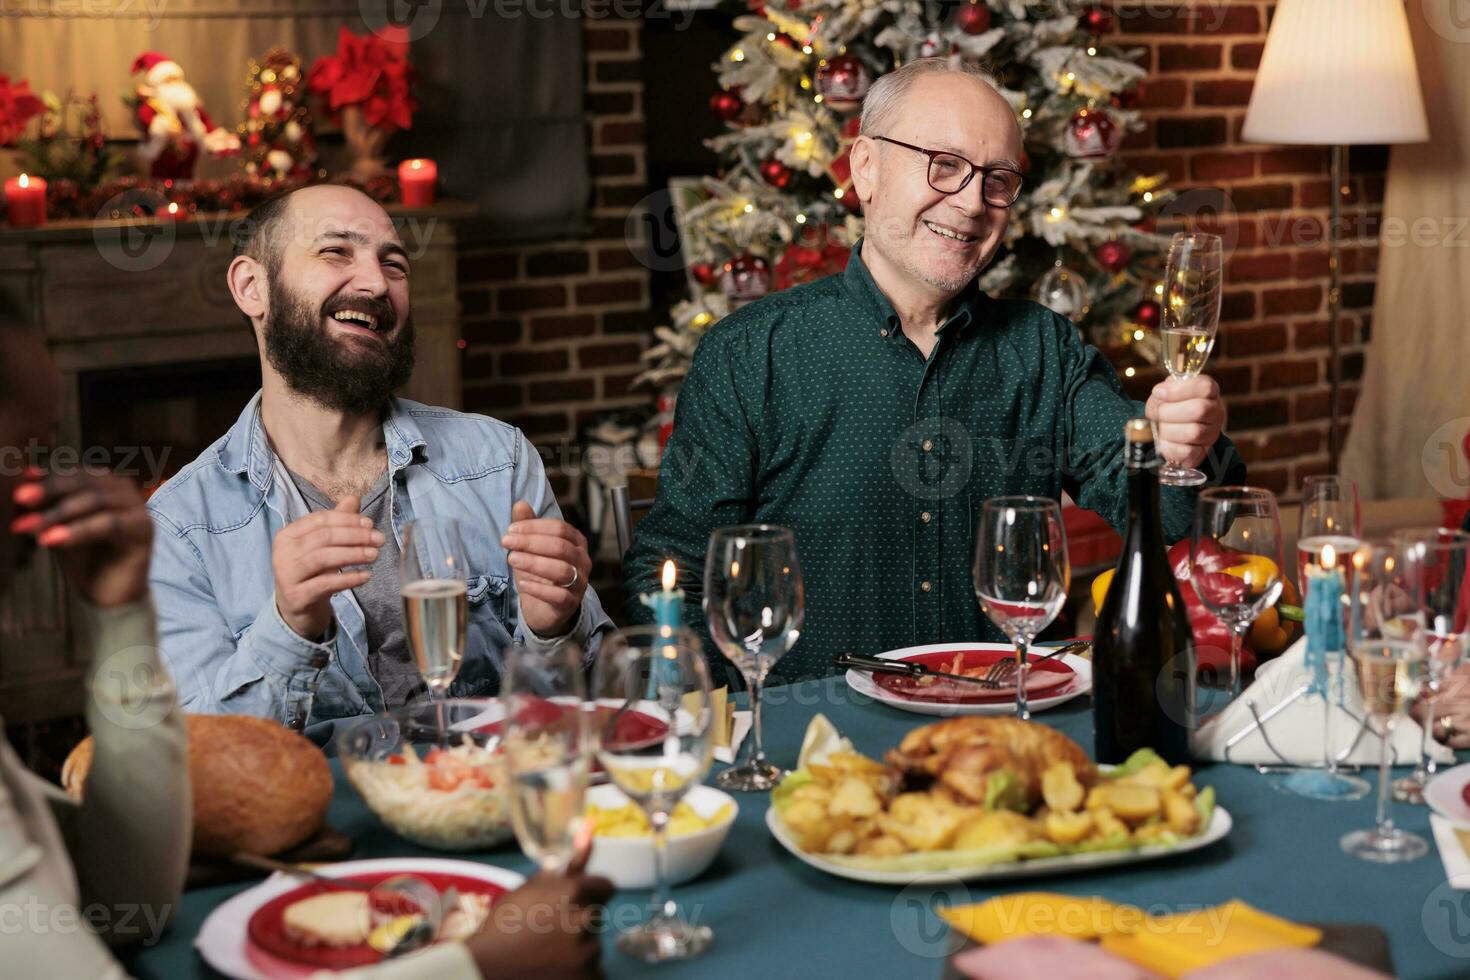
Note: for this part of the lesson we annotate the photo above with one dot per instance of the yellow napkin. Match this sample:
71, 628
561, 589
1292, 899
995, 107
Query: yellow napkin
1177, 944
722, 710
1172, 945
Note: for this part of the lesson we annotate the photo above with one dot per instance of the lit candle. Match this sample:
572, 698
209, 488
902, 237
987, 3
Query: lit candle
666, 604
25, 198
416, 180
1323, 617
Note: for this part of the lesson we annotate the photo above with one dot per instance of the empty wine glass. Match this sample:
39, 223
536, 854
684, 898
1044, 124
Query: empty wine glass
659, 672
1235, 561
1021, 573
1193, 288
1391, 663
754, 603
436, 612
1438, 560
547, 736
1327, 536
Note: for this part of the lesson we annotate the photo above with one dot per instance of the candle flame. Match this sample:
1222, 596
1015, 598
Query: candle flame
671, 575
173, 207
1329, 556
417, 165
25, 181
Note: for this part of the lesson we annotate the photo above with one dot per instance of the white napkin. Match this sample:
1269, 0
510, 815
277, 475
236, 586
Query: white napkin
739, 728
1452, 851
1296, 731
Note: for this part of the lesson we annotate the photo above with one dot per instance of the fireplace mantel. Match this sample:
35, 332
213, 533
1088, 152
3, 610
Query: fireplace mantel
114, 295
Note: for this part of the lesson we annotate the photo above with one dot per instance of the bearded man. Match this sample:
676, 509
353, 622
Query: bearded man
275, 569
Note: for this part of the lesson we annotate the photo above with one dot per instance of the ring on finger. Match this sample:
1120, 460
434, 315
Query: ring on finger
576, 574
1447, 722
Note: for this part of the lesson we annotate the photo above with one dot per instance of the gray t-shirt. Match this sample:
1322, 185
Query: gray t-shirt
389, 660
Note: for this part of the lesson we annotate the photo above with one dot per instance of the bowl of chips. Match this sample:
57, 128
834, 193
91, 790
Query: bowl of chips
622, 846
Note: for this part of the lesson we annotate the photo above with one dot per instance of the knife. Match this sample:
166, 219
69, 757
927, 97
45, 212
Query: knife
908, 668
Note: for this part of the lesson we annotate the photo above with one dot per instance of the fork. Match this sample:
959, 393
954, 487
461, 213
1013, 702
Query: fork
1002, 670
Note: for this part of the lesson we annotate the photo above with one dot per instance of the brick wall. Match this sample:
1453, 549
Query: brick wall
553, 331
1271, 356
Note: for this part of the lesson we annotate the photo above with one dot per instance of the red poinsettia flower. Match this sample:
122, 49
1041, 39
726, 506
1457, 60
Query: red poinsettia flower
367, 71
18, 105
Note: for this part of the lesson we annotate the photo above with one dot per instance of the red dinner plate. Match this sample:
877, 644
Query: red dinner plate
635, 730
267, 929
1044, 679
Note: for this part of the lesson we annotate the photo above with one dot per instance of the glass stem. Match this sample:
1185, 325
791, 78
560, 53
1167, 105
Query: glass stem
757, 742
440, 722
1329, 751
1385, 822
1426, 766
663, 900
1023, 667
1237, 638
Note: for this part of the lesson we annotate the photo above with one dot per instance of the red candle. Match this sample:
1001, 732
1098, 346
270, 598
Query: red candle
25, 197
416, 179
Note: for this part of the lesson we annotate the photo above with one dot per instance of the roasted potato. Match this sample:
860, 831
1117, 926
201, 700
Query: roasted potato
1060, 788
1067, 828
1000, 828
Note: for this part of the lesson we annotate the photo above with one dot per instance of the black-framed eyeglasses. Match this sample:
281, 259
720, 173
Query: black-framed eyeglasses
950, 173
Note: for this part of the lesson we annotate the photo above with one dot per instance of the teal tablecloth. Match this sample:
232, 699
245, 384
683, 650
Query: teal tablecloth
774, 916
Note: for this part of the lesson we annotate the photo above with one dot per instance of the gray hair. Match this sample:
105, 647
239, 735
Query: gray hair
885, 97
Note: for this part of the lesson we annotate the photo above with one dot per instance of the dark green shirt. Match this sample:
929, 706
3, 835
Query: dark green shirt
811, 409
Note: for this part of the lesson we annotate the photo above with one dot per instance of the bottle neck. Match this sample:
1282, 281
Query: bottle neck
1143, 494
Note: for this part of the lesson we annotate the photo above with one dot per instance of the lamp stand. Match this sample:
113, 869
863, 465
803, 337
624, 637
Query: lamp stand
1334, 303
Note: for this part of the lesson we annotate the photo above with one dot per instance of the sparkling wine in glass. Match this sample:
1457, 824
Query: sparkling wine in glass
547, 735
1437, 559
660, 673
436, 614
754, 603
1021, 573
1193, 288
1235, 561
1328, 533
1390, 659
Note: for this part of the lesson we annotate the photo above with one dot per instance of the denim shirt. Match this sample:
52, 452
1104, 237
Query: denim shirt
224, 640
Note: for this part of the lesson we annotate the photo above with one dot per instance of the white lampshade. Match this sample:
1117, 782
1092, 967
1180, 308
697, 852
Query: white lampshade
1337, 71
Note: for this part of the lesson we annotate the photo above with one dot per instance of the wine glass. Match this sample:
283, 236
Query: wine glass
547, 736
436, 614
1021, 573
1235, 561
658, 671
1391, 662
1327, 536
1193, 284
1438, 559
754, 603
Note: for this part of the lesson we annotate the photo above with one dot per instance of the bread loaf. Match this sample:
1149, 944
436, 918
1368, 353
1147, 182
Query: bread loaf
258, 787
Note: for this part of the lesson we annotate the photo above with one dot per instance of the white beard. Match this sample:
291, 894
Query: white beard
183, 100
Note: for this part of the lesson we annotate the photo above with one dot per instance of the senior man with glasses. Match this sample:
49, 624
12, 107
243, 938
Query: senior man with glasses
873, 412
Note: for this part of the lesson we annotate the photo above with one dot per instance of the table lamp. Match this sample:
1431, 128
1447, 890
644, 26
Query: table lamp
1337, 73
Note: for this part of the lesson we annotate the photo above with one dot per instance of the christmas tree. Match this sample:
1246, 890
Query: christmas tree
782, 211
278, 136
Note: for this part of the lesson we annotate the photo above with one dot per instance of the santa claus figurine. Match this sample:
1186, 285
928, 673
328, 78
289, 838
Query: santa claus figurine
174, 124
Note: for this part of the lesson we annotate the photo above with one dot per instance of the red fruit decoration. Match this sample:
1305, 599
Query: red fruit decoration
1147, 314
1113, 256
726, 105
1097, 20
704, 273
776, 173
843, 82
973, 18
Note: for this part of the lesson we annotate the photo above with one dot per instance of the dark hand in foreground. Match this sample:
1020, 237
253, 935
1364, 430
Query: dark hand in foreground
96, 523
544, 929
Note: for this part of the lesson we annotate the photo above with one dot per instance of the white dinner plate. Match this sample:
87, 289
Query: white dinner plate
1444, 794
862, 682
1220, 824
222, 940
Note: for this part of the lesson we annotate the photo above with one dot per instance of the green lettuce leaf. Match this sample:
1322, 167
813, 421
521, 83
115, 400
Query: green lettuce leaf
795, 780
1136, 762
1004, 791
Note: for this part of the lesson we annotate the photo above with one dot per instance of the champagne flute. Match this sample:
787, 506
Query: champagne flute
1021, 573
1438, 560
1328, 533
1193, 285
436, 614
660, 672
547, 735
1391, 660
1235, 561
754, 603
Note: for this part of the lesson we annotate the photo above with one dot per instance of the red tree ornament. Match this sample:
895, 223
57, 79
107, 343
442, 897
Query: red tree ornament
1147, 314
776, 173
746, 277
727, 105
1097, 20
843, 82
1113, 256
1092, 135
973, 18
703, 273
